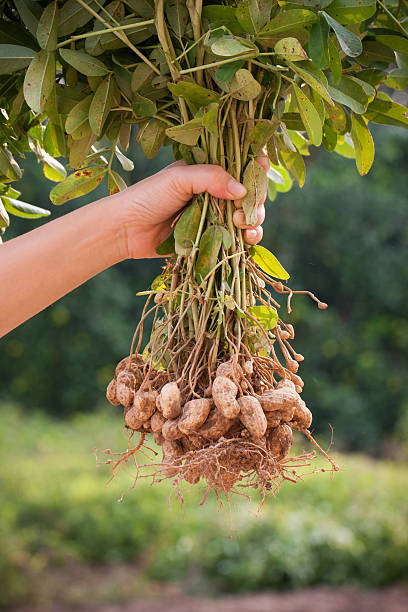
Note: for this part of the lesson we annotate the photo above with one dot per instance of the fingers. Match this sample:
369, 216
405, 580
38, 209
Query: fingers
253, 236
263, 160
240, 221
189, 180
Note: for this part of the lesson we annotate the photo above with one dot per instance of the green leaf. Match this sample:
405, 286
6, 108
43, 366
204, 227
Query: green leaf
329, 137
77, 123
177, 16
375, 53
266, 316
188, 133
227, 71
290, 49
243, 86
397, 78
84, 63
8, 165
261, 134
281, 177
345, 148
349, 42
335, 61
295, 165
253, 14
268, 262
14, 58
115, 183
77, 184
352, 11
318, 43
393, 40
15, 34
386, 112
209, 247
256, 182
210, 119
79, 150
143, 107
338, 118
228, 46
167, 247
39, 80
52, 168
310, 116
4, 218
186, 228
316, 80
193, 92
287, 21
47, 31
222, 16
74, 16
29, 12
153, 137
226, 238
126, 163
363, 144
349, 92
54, 139
22, 209
101, 105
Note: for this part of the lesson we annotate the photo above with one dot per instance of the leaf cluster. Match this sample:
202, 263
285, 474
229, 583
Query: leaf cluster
75, 76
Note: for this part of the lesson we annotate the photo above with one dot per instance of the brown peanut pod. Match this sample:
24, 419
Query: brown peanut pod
170, 400
147, 426
111, 393
172, 451
297, 380
157, 421
286, 382
132, 420
302, 418
170, 430
158, 404
158, 438
249, 367
280, 441
194, 414
144, 403
273, 419
215, 426
230, 369
252, 416
125, 388
224, 392
278, 399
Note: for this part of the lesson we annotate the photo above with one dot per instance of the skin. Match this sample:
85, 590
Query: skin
41, 266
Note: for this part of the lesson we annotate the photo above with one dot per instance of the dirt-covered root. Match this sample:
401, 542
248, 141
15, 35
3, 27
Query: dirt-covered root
231, 435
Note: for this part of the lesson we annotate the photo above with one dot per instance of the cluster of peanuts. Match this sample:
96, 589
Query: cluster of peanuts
178, 427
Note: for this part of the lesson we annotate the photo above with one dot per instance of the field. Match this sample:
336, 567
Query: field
64, 533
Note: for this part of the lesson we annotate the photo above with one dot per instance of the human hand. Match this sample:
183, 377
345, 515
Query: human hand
149, 207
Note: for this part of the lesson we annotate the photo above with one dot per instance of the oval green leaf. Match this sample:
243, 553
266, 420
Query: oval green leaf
77, 184
268, 262
84, 63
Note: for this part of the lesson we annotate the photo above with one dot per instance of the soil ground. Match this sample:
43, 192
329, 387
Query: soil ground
321, 599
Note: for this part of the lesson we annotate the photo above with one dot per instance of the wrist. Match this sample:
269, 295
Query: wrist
108, 229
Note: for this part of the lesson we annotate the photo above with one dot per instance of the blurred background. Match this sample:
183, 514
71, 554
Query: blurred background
67, 543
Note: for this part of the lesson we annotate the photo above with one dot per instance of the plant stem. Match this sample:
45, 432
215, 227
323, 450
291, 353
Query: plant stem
119, 28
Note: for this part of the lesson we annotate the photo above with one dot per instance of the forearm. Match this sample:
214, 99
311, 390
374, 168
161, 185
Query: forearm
39, 267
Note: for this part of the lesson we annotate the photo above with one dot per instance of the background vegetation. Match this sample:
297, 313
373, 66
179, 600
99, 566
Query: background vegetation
342, 236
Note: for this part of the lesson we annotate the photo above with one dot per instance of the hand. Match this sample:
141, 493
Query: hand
150, 206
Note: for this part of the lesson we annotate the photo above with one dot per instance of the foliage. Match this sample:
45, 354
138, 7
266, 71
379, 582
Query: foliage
75, 75
56, 515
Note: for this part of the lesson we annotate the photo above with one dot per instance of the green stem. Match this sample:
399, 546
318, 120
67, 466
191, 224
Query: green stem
215, 64
119, 28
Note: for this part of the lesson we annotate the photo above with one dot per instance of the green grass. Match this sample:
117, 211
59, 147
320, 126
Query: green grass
55, 512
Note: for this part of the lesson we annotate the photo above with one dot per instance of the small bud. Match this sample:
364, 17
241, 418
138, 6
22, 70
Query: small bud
298, 357
291, 331
292, 365
322, 305
278, 287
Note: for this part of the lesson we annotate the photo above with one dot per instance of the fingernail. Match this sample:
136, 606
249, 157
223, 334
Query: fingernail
236, 189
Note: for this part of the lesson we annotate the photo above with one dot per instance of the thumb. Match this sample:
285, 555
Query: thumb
189, 180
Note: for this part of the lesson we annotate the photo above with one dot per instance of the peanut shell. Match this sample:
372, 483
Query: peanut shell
170, 400
194, 414
215, 426
144, 403
157, 421
280, 441
252, 416
111, 393
224, 392
170, 430
125, 388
